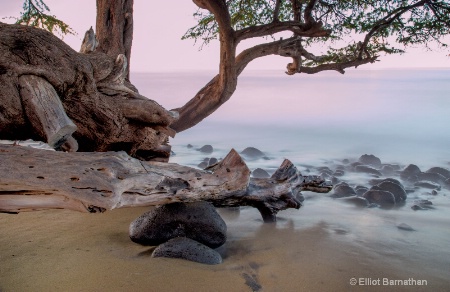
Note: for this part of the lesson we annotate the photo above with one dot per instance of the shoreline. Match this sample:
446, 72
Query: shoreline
70, 251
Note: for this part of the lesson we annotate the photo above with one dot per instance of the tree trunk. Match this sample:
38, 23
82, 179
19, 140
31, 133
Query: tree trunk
115, 28
108, 114
34, 179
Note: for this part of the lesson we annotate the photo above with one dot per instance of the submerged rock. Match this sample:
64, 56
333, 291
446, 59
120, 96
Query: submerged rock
440, 170
187, 249
410, 172
383, 198
396, 189
198, 221
427, 185
252, 152
343, 190
360, 190
206, 149
406, 227
339, 172
212, 161
432, 176
202, 165
260, 173
370, 159
367, 169
355, 200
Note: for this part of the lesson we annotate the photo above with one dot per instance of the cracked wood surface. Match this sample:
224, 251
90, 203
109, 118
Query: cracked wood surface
33, 179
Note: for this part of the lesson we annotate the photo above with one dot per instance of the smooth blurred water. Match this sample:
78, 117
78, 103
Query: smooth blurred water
398, 115
401, 116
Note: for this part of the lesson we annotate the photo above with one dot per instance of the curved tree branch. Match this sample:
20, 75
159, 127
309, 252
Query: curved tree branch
386, 21
297, 28
221, 87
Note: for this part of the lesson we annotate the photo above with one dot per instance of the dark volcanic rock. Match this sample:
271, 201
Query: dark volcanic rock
187, 249
370, 159
442, 171
198, 221
410, 172
406, 227
343, 190
367, 169
427, 185
189, 146
432, 176
260, 173
423, 202
252, 152
206, 149
339, 172
380, 197
397, 190
212, 161
355, 200
387, 170
360, 190
202, 165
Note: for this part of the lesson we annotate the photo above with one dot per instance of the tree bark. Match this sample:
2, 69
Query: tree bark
114, 28
109, 114
223, 85
34, 179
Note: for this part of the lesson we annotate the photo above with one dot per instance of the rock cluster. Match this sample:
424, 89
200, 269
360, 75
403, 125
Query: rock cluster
189, 231
389, 183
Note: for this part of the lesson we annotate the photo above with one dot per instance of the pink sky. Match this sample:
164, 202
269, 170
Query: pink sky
157, 44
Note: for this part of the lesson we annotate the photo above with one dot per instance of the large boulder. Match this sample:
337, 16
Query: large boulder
380, 197
198, 221
410, 172
442, 171
367, 169
343, 190
396, 189
369, 159
187, 249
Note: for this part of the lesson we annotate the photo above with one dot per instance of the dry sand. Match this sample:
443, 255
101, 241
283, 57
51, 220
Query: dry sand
68, 251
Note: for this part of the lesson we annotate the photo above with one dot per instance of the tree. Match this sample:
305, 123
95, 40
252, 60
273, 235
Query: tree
84, 100
350, 33
365, 28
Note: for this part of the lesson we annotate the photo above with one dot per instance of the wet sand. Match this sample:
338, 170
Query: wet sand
311, 249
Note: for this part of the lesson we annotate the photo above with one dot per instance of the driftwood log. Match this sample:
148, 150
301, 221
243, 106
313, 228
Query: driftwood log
34, 179
70, 100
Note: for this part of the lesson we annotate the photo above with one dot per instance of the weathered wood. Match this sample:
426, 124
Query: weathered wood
109, 113
90, 42
34, 179
45, 111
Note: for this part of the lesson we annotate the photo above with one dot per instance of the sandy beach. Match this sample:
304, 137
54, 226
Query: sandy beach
312, 249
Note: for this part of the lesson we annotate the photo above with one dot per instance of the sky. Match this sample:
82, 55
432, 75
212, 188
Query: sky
157, 44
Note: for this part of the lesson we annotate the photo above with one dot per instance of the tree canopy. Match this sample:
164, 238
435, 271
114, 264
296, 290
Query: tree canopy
351, 29
35, 13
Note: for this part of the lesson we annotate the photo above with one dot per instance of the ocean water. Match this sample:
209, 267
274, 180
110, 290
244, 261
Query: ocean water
398, 115
401, 116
